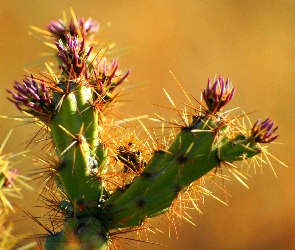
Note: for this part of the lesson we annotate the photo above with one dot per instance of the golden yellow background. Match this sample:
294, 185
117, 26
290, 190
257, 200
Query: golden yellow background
251, 42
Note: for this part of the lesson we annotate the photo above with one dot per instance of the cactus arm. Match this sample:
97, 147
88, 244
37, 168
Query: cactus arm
189, 157
238, 149
196, 150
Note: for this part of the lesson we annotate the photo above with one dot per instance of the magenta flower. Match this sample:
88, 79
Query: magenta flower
84, 28
73, 55
107, 76
32, 97
263, 132
57, 28
218, 95
10, 179
87, 27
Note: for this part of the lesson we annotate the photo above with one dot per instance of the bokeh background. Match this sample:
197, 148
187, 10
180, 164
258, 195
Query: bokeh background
251, 42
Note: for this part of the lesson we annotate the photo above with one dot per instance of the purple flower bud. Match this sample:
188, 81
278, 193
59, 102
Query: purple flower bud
10, 179
32, 97
263, 132
84, 28
57, 28
106, 78
73, 56
218, 95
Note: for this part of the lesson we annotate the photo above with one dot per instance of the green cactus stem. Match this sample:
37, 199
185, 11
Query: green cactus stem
72, 118
84, 233
196, 150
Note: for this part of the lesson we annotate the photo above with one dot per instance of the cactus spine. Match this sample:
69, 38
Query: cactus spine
74, 104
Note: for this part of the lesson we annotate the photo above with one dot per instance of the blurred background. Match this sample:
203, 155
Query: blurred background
250, 42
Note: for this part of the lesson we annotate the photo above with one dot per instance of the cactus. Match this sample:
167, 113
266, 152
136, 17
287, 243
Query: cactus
10, 182
108, 178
